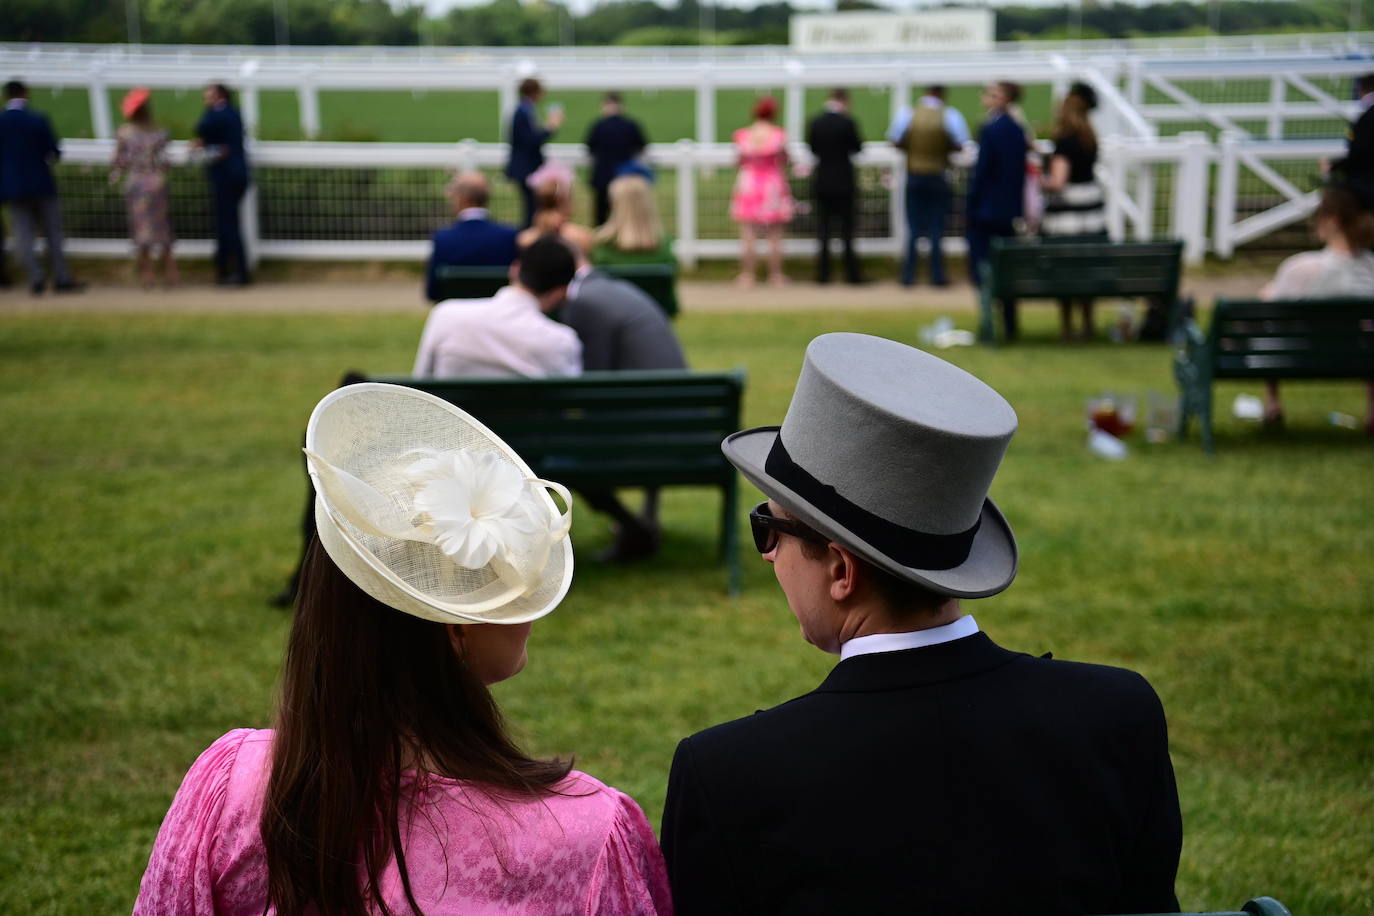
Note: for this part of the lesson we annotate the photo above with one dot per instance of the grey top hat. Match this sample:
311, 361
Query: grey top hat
890, 451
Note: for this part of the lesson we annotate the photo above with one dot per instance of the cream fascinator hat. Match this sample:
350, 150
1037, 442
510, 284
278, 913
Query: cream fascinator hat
427, 511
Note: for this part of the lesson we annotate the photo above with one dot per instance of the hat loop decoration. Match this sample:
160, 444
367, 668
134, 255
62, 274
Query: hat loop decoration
473, 506
426, 510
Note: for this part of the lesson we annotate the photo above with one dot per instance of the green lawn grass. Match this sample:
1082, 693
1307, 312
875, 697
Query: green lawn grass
436, 116
153, 489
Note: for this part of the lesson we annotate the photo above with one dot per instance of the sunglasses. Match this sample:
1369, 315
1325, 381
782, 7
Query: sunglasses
766, 527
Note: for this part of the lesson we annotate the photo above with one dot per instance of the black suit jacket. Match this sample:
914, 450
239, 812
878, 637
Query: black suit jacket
612, 141
833, 138
954, 779
1357, 168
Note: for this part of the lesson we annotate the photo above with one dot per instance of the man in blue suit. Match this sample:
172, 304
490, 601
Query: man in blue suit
220, 134
527, 139
28, 147
474, 240
997, 187
613, 141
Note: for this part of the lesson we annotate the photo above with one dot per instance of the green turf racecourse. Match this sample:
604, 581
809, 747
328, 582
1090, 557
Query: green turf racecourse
153, 488
443, 116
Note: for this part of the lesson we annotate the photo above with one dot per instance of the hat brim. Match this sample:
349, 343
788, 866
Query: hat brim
991, 563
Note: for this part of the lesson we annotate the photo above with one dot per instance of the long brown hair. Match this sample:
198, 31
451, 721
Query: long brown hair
1072, 121
368, 692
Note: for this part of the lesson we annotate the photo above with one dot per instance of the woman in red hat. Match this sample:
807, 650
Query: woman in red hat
762, 199
141, 160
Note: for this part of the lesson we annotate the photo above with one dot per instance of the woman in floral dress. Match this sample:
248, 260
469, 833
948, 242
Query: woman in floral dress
141, 161
762, 199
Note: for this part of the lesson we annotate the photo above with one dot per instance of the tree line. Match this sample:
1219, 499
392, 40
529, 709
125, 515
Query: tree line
617, 22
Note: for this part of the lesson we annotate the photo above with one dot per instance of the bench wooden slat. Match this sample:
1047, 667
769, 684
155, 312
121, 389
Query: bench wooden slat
1048, 269
1278, 339
614, 429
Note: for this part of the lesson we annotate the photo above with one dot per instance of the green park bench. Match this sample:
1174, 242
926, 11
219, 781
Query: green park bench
615, 429
1038, 269
1260, 906
1282, 339
659, 281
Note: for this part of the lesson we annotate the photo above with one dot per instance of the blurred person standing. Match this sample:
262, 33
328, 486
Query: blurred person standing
996, 190
1356, 170
140, 159
762, 199
28, 148
613, 142
834, 139
527, 139
928, 135
474, 239
1075, 207
219, 134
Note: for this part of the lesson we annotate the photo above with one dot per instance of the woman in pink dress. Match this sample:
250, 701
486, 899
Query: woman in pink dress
762, 199
390, 784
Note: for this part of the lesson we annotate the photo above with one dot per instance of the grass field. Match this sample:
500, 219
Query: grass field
153, 490
444, 116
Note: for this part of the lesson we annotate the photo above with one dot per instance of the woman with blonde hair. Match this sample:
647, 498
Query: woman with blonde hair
633, 225
390, 783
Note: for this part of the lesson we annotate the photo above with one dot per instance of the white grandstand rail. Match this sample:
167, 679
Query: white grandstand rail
1194, 109
1227, 232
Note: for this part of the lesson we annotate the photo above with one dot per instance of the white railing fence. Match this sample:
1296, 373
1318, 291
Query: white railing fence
380, 201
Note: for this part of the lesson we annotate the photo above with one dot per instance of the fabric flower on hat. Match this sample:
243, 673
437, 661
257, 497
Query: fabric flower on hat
478, 507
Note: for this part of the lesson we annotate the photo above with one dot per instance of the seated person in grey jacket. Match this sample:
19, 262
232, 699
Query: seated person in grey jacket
621, 329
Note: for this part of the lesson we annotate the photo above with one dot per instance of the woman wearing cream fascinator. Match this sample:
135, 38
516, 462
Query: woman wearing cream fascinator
389, 784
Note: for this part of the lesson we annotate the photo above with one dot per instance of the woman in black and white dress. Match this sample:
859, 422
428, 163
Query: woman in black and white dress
1074, 203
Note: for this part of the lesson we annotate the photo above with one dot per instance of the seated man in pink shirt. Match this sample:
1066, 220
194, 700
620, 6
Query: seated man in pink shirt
509, 334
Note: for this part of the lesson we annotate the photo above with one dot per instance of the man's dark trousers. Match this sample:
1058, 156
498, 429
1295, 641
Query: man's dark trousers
927, 205
836, 206
980, 235
231, 261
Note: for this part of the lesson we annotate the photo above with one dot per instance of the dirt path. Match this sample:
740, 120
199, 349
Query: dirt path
404, 296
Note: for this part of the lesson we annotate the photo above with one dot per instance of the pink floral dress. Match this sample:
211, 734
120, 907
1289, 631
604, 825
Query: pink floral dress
761, 194
588, 851
141, 160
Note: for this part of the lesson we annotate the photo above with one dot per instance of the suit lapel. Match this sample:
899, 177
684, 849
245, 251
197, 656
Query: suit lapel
918, 667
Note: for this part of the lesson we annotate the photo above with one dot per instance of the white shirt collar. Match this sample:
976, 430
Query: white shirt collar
576, 285
896, 642
16, 103
930, 101
832, 105
473, 213
1366, 101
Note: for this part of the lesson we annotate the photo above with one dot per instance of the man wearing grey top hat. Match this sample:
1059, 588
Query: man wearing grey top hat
933, 771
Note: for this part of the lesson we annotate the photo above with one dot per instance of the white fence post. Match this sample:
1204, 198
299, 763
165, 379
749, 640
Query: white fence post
796, 102
308, 103
1277, 89
100, 107
706, 108
1224, 201
686, 205
1113, 164
1145, 201
1190, 195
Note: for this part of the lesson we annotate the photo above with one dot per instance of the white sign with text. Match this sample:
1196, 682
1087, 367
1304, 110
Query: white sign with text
935, 30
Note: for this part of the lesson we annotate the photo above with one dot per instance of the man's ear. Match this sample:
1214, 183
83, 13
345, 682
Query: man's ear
843, 568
